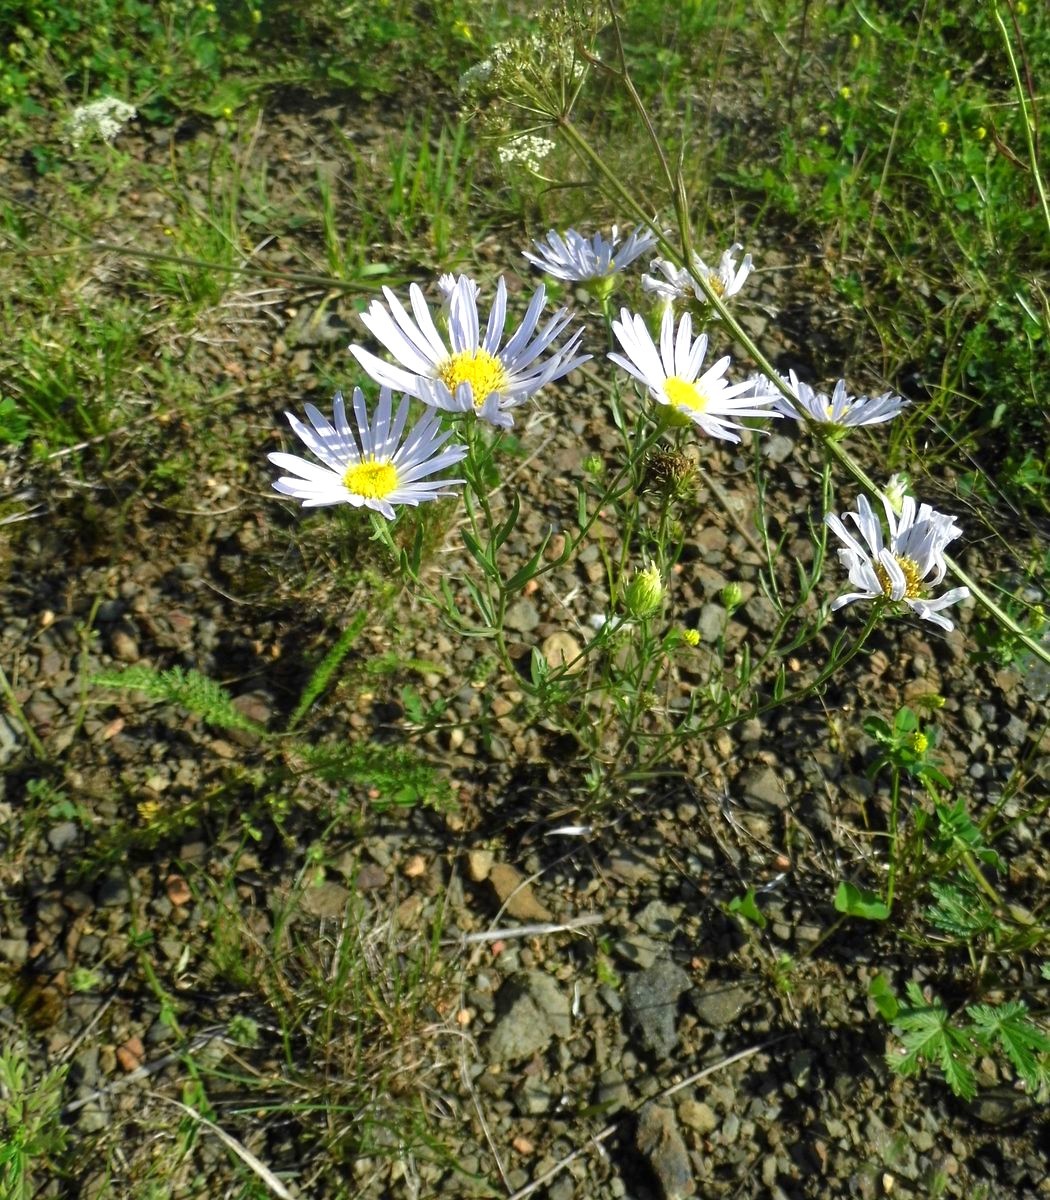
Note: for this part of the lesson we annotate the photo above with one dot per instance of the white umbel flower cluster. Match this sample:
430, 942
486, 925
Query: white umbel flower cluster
104, 119
526, 150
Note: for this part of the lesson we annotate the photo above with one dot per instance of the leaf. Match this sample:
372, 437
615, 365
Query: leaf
905, 721
502, 532
747, 907
327, 667
960, 909
520, 578
930, 1039
876, 727
1016, 1033
187, 689
480, 555
859, 902
883, 997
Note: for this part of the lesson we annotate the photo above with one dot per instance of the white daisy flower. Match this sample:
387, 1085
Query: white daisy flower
839, 409
677, 284
903, 567
475, 374
577, 259
673, 377
373, 470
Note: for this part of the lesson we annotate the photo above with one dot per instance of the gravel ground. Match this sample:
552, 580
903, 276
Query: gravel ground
658, 1047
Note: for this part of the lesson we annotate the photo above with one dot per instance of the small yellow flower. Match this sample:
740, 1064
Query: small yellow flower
845, 92
227, 111
149, 810
691, 637
942, 128
982, 133
854, 40
920, 743
823, 130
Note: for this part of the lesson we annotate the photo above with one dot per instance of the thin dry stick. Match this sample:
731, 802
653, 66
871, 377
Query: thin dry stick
231, 1143
611, 1128
520, 931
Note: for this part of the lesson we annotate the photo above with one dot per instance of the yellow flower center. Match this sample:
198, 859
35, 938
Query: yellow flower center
373, 480
912, 579
684, 395
482, 370
717, 285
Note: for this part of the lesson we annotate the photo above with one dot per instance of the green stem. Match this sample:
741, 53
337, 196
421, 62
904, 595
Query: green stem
1026, 117
19, 714
895, 795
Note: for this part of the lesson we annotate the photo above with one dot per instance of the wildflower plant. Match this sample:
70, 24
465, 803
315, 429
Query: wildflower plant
616, 687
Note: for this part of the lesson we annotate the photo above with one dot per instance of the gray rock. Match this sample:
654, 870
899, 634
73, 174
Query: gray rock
14, 951
532, 1010
113, 891
659, 1139
522, 616
712, 622
778, 448
718, 1005
62, 835
640, 949
91, 1118
652, 998
536, 1097
764, 788
762, 613
612, 1092
563, 1188
10, 736
1016, 730
658, 918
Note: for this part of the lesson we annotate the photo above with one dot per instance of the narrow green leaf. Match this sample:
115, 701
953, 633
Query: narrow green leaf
480, 555
502, 532
520, 578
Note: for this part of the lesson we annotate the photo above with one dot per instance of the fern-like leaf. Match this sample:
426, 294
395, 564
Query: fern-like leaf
1010, 1027
929, 1038
187, 689
960, 910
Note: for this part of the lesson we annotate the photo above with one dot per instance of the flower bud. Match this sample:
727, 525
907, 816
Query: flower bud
644, 595
896, 490
732, 596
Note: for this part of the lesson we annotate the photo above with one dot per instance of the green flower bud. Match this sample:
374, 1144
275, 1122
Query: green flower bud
644, 595
732, 597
